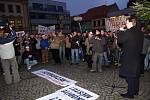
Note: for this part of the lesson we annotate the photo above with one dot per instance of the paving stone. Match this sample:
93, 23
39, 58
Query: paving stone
32, 87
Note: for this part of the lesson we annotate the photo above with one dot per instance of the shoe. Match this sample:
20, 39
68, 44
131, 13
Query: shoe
126, 96
136, 94
92, 70
29, 67
100, 71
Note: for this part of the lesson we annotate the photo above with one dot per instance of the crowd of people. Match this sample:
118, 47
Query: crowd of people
31, 49
97, 48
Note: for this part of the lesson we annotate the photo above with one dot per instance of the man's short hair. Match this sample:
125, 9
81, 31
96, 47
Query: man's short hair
132, 19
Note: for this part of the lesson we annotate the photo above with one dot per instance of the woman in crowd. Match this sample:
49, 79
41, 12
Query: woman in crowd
62, 47
68, 47
55, 42
88, 57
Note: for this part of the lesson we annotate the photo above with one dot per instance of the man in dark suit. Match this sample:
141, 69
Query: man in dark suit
132, 42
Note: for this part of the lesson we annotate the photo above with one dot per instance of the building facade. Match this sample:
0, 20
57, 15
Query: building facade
94, 18
48, 13
14, 12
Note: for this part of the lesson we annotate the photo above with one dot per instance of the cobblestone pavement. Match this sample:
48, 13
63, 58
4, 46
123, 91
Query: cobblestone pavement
32, 87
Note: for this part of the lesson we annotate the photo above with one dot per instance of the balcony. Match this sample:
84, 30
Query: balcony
44, 21
46, 11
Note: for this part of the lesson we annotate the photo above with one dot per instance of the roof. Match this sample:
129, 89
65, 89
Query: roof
98, 12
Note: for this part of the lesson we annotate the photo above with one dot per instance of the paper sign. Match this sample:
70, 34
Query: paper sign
54, 78
71, 92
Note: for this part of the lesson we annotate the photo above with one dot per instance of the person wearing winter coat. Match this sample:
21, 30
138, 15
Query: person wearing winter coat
44, 44
29, 58
7, 55
97, 43
132, 43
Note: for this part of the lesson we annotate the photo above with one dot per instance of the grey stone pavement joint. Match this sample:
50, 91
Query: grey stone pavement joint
32, 87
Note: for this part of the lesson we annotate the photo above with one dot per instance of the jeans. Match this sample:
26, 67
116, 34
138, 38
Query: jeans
19, 59
30, 62
97, 61
62, 54
74, 56
147, 62
105, 59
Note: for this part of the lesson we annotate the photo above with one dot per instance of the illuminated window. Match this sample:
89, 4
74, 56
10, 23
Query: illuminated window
19, 22
12, 23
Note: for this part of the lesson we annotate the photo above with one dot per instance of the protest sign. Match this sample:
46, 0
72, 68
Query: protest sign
46, 30
42, 29
114, 23
51, 29
71, 92
54, 78
20, 33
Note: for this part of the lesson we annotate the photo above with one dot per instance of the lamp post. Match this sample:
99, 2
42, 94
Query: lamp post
78, 19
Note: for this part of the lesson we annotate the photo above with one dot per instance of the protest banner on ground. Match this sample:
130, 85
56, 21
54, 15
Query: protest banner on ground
114, 23
54, 78
71, 92
45, 30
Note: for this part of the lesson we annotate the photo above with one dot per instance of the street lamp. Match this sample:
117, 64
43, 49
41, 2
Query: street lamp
78, 19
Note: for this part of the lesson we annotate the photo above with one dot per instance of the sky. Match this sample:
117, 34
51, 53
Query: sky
80, 6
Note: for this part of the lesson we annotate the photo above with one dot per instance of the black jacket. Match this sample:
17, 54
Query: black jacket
132, 42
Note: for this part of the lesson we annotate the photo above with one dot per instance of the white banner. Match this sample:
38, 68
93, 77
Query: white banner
114, 23
20, 33
51, 29
42, 29
54, 78
71, 92
45, 30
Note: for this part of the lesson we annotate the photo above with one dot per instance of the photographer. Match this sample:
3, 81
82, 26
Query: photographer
7, 55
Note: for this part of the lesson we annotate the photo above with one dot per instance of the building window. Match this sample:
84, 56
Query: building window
18, 9
2, 7
51, 8
41, 15
103, 22
33, 16
10, 8
19, 22
12, 23
98, 22
37, 6
94, 23
59, 8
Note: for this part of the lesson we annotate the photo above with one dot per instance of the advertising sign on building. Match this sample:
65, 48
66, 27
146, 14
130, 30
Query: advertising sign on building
114, 23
